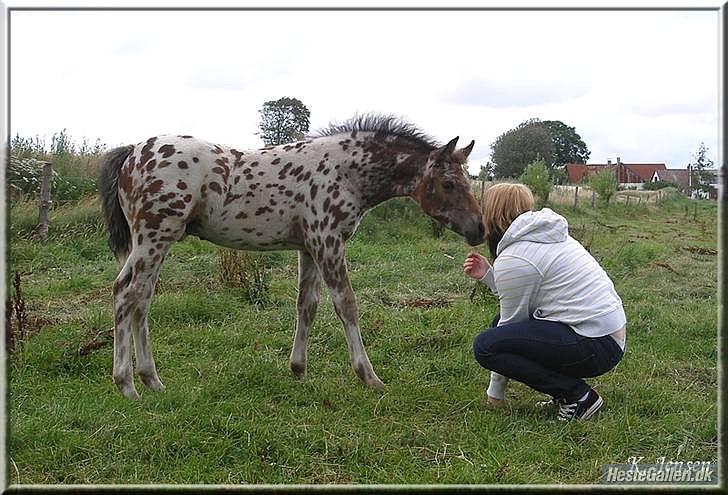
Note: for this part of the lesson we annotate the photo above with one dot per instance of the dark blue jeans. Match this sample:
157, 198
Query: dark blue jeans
547, 356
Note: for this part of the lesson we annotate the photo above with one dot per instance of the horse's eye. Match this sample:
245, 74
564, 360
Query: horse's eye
448, 186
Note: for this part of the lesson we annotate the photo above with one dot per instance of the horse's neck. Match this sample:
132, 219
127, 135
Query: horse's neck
387, 173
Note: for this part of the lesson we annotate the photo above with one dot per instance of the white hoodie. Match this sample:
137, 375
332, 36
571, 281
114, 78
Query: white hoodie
541, 272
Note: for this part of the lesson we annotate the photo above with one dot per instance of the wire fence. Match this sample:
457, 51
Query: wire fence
560, 194
575, 195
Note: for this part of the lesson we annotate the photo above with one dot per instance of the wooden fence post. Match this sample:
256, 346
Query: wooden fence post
482, 196
594, 197
45, 200
576, 197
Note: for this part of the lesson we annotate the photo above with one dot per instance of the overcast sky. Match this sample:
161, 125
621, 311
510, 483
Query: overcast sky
639, 85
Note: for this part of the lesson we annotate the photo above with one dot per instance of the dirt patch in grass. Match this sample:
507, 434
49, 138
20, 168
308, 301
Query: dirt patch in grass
666, 267
418, 302
699, 250
99, 339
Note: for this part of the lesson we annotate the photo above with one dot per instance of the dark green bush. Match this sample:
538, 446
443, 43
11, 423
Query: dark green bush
660, 184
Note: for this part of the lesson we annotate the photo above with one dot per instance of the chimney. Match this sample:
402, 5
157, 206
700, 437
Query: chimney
619, 161
609, 161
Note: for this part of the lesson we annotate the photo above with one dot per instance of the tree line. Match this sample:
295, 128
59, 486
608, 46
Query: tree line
535, 151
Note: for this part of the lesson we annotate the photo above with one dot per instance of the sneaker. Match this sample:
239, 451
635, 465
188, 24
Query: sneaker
543, 404
583, 409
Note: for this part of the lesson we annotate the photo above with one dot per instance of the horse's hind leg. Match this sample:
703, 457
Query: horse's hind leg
309, 283
124, 309
146, 368
133, 293
154, 251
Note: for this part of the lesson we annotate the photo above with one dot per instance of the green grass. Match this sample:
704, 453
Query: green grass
233, 413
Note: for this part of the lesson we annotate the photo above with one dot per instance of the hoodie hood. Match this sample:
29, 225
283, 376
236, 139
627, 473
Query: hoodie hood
544, 226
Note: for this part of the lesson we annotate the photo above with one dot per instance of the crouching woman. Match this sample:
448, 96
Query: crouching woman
560, 318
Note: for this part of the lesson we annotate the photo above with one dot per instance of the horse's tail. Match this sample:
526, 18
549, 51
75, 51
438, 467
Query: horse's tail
108, 183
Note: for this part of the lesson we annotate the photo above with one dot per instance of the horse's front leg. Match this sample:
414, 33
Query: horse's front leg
332, 265
309, 284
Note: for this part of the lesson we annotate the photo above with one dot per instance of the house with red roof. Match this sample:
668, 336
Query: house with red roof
628, 174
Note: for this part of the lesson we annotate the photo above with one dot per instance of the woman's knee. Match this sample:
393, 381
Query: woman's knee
483, 347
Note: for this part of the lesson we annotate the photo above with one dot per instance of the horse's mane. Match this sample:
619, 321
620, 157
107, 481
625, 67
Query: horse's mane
381, 126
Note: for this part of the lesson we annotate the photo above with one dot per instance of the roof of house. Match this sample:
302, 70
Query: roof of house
626, 172
680, 177
644, 170
577, 171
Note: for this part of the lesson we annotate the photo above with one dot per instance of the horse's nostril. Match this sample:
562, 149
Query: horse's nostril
481, 228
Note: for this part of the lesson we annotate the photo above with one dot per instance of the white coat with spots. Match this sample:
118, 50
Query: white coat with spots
308, 196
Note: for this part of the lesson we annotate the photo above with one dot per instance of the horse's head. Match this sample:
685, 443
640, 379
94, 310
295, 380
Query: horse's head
444, 192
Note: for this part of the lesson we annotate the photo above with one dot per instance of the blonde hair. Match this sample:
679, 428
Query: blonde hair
502, 204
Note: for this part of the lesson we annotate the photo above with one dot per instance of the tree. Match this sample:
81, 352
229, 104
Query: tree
604, 184
701, 166
283, 120
559, 175
555, 141
568, 146
486, 172
515, 149
538, 179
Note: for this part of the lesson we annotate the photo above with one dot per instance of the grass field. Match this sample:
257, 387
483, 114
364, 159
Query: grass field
233, 413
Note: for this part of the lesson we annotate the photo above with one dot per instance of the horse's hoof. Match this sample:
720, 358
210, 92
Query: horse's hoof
129, 392
376, 384
367, 375
125, 384
298, 369
152, 382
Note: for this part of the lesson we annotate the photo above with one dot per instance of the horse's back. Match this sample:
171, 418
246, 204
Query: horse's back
233, 198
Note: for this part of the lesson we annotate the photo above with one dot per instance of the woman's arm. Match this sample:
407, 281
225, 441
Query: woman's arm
476, 266
518, 281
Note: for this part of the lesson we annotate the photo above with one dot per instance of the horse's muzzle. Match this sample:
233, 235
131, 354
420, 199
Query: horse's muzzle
476, 234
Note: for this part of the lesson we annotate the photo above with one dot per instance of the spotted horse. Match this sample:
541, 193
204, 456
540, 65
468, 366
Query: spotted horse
309, 196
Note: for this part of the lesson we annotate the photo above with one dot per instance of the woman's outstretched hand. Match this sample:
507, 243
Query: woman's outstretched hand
476, 266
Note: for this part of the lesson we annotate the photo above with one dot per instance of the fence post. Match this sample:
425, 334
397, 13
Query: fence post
594, 197
576, 197
482, 196
45, 200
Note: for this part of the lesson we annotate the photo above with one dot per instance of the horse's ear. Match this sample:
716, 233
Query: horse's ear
450, 147
443, 152
466, 151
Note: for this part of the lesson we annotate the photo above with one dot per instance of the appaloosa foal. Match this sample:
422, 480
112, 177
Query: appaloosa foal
308, 196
